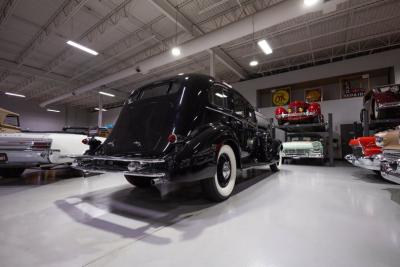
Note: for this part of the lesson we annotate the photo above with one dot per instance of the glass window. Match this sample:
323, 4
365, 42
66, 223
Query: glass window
218, 96
239, 105
155, 91
12, 120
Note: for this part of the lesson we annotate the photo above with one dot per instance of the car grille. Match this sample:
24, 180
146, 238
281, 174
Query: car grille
357, 151
296, 152
391, 155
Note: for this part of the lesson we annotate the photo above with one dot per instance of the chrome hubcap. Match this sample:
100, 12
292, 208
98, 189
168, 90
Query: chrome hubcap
226, 170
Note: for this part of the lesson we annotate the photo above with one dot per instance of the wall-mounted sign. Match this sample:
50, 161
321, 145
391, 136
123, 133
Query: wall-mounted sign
354, 86
313, 95
281, 96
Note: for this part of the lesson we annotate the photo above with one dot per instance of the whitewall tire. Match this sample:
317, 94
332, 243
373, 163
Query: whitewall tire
221, 186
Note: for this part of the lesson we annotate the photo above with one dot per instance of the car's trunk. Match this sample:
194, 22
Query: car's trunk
142, 128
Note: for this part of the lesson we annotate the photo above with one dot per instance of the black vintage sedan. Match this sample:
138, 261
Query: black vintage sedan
186, 128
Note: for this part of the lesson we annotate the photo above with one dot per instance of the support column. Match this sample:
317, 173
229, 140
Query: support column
212, 63
100, 115
397, 74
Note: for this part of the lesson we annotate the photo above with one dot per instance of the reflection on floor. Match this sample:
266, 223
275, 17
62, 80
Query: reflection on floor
301, 216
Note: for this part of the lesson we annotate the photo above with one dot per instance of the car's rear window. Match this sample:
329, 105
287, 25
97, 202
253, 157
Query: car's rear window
155, 91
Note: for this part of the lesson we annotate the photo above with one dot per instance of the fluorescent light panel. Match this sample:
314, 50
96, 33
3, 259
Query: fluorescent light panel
310, 2
107, 94
176, 51
83, 48
99, 109
263, 44
253, 63
13, 94
52, 110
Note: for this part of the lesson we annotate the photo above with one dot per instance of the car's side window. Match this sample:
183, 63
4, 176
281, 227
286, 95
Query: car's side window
218, 96
239, 105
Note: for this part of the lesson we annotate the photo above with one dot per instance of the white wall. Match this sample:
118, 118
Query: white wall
35, 118
397, 72
366, 63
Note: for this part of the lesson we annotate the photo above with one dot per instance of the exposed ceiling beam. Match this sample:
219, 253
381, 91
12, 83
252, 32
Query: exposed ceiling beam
279, 13
64, 13
7, 10
12, 66
183, 22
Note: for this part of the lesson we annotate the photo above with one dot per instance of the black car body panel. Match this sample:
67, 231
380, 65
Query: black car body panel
201, 113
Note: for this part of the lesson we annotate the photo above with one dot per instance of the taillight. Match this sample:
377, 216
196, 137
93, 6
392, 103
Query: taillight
172, 138
41, 145
85, 141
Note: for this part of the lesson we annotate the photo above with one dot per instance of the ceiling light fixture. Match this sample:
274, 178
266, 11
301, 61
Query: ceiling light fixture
181, 73
310, 2
176, 51
253, 63
107, 94
53, 110
13, 94
263, 44
99, 109
83, 48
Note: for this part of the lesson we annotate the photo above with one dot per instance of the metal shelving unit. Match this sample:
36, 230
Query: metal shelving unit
377, 125
323, 129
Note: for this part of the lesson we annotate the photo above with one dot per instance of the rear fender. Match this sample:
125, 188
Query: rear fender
203, 148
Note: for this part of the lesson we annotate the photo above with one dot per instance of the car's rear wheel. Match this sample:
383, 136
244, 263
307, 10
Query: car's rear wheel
141, 182
220, 187
11, 173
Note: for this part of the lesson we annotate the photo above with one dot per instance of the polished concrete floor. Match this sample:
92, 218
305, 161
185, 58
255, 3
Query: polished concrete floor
301, 216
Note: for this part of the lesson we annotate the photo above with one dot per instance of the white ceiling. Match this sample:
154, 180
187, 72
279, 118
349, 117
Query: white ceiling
35, 61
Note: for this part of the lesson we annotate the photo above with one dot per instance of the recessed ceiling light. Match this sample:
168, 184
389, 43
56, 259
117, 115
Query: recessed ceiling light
176, 51
263, 44
99, 109
107, 94
253, 63
53, 110
83, 48
181, 73
13, 94
310, 2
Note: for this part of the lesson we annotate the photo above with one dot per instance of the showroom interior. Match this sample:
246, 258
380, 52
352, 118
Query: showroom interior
200, 133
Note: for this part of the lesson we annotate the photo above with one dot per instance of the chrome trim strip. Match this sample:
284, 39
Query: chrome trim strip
389, 105
146, 174
124, 159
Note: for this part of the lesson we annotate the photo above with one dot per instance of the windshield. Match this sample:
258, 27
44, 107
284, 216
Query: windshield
12, 120
306, 138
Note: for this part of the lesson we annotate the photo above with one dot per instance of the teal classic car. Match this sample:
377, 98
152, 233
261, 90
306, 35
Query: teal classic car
301, 147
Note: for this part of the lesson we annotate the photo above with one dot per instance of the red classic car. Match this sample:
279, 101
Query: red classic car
383, 102
366, 154
299, 112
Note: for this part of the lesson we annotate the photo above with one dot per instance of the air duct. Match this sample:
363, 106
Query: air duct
279, 13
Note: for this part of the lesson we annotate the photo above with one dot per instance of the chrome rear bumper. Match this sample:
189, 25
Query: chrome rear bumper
144, 167
370, 163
